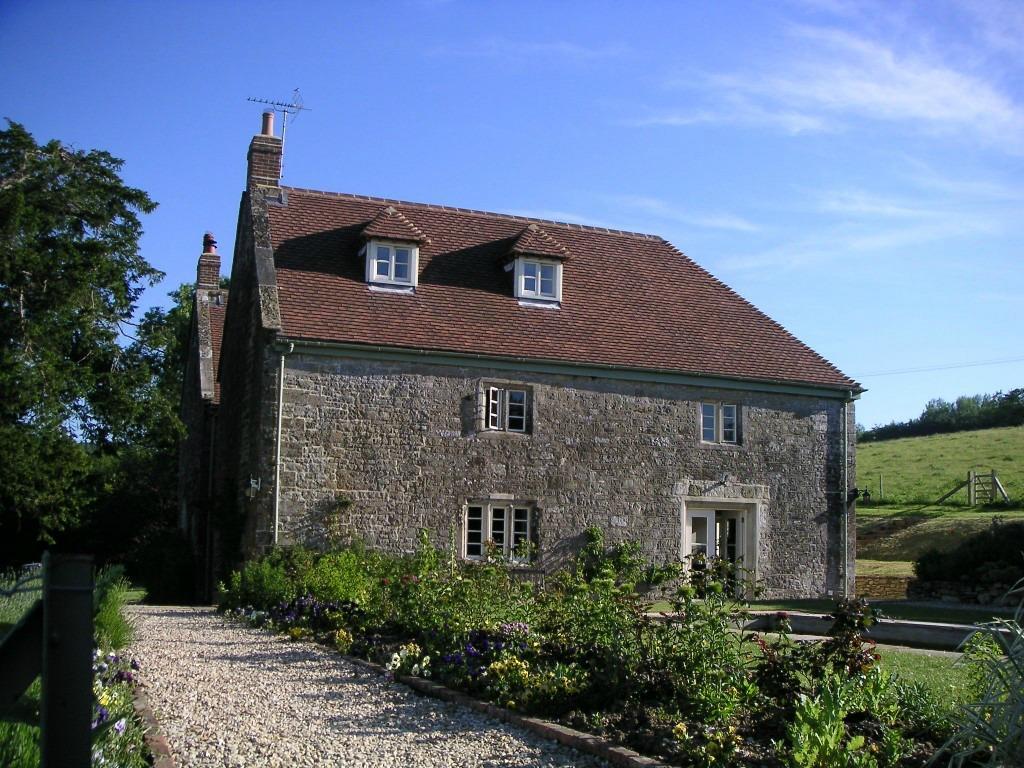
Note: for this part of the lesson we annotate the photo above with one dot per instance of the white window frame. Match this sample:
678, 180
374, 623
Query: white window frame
499, 413
504, 523
536, 295
720, 413
389, 280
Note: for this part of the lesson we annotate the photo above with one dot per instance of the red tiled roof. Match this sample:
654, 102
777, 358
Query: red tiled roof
390, 224
628, 299
217, 312
534, 241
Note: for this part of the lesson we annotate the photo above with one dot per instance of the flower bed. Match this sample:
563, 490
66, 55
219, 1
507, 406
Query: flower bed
687, 689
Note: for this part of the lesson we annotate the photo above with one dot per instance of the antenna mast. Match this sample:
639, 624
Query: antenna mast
289, 110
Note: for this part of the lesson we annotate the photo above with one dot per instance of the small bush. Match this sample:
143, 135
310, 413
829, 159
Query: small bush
993, 556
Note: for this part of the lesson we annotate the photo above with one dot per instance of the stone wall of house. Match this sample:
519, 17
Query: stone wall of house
379, 450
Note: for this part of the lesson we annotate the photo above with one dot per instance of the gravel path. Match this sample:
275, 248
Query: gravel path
229, 695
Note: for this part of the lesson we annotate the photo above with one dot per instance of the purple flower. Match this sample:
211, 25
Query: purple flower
120, 725
135, 665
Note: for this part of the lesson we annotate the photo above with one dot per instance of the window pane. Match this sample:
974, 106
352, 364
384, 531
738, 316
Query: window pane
498, 526
494, 408
383, 261
529, 269
402, 264
520, 533
729, 423
547, 280
707, 415
698, 535
474, 532
516, 418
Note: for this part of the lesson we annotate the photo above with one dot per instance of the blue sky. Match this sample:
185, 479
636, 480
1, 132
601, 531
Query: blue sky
856, 170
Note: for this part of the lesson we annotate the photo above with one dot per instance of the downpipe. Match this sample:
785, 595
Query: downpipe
277, 443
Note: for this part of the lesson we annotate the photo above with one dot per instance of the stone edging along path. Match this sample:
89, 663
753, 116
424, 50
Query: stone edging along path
580, 740
155, 739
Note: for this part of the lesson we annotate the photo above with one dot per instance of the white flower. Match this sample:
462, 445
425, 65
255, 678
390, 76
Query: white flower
395, 660
403, 653
426, 661
426, 673
415, 669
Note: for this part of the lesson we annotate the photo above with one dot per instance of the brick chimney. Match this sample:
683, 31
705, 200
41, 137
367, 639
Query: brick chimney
208, 270
265, 156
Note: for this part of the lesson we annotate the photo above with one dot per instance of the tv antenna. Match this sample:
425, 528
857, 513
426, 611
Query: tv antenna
289, 109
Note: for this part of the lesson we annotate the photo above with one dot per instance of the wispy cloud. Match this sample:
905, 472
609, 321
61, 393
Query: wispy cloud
857, 203
839, 77
833, 244
671, 212
504, 48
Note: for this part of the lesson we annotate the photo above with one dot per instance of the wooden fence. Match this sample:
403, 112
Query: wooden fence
53, 640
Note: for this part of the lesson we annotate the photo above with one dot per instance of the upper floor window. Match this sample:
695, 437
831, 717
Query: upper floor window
391, 263
719, 423
506, 409
538, 280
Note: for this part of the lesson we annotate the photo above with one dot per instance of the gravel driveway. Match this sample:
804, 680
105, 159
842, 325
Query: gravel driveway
229, 695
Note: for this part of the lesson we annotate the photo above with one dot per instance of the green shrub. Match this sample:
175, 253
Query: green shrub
992, 556
337, 577
260, 583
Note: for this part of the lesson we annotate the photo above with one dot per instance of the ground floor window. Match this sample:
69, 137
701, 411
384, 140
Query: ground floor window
505, 526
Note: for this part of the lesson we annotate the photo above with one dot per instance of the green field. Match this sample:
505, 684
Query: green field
922, 469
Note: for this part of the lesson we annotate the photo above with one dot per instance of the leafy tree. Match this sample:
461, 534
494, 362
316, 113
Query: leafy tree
70, 276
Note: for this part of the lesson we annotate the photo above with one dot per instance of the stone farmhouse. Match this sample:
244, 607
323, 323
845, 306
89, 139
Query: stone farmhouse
385, 367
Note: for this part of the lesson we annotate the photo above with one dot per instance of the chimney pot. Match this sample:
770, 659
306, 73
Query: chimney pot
208, 268
209, 243
268, 123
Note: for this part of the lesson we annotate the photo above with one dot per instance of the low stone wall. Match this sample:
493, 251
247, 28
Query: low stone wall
960, 592
883, 587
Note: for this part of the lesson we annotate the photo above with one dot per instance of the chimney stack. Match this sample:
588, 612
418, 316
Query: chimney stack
208, 270
265, 152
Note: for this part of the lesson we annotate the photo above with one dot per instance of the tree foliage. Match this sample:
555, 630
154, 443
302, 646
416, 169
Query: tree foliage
964, 413
71, 274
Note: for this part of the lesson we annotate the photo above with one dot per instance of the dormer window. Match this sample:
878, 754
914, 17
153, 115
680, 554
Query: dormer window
392, 251
391, 263
536, 257
538, 282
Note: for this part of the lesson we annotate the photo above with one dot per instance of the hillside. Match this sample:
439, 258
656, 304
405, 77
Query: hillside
921, 469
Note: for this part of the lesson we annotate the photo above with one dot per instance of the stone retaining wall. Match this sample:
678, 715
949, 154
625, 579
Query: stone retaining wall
883, 587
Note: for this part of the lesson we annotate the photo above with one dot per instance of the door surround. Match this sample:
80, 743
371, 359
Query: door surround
700, 497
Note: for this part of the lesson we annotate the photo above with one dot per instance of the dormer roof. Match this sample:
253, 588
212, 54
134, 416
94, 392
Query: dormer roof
535, 241
391, 224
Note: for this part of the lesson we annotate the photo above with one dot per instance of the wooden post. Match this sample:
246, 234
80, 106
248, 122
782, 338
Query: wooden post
66, 709
972, 496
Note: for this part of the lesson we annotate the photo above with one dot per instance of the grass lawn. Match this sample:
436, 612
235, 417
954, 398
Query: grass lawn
885, 568
922, 469
940, 673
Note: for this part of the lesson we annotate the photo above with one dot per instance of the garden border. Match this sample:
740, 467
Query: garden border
624, 757
155, 739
